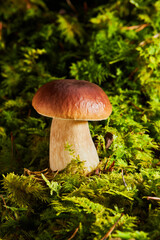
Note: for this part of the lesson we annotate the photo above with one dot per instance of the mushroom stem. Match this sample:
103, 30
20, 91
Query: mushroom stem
76, 134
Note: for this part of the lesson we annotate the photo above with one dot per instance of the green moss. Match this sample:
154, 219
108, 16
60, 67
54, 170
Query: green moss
115, 45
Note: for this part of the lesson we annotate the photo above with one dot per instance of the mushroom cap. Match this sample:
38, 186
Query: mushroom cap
72, 99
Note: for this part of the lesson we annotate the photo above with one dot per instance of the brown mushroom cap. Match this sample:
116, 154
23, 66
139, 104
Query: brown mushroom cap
72, 99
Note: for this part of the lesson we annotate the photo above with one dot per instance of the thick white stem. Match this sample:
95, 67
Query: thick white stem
76, 134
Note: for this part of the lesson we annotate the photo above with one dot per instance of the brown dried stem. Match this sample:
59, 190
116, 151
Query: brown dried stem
71, 5
153, 198
112, 228
37, 174
125, 184
73, 235
5, 205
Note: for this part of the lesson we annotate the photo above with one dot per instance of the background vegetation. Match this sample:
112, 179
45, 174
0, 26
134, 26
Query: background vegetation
115, 44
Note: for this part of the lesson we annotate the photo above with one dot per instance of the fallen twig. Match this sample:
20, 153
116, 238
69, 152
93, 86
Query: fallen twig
111, 229
153, 198
110, 169
139, 109
125, 184
3, 201
143, 43
106, 163
137, 28
5, 205
141, 27
73, 235
37, 174
71, 5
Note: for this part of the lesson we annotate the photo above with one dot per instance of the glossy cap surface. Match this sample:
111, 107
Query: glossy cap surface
72, 99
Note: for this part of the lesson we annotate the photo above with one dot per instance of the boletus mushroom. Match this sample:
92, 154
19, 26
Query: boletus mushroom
72, 103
